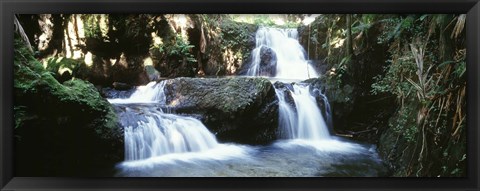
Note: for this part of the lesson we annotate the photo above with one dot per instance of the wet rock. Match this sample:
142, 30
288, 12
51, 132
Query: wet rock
268, 62
242, 110
341, 99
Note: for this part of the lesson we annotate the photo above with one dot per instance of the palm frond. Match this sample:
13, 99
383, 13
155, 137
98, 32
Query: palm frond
457, 30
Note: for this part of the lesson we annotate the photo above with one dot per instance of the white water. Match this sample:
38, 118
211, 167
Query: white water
285, 158
149, 132
304, 120
152, 92
291, 62
160, 144
159, 134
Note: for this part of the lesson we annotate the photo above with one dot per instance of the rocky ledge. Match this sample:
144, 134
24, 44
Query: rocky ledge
242, 110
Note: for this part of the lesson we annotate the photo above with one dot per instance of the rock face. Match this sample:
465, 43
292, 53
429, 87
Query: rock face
61, 129
341, 98
242, 110
222, 47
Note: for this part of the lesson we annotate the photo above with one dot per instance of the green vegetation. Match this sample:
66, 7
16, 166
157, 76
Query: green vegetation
417, 59
398, 81
235, 36
278, 21
92, 26
176, 47
33, 81
60, 124
64, 68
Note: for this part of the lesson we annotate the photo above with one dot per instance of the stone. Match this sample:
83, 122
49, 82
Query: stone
242, 110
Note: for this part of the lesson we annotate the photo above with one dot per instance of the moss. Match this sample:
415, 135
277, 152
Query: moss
235, 94
68, 128
244, 110
32, 81
336, 91
29, 73
228, 43
76, 90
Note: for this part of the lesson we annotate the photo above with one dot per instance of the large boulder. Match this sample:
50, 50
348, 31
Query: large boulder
243, 110
61, 129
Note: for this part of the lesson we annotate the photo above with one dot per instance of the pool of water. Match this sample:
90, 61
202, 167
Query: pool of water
284, 158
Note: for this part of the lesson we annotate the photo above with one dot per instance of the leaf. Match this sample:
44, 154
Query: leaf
446, 62
423, 17
414, 84
457, 30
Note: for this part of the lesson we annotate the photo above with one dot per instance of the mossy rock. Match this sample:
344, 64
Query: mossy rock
243, 110
62, 68
68, 128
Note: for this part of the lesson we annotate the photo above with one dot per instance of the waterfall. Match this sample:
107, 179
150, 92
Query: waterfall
301, 119
156, 133
149, 132
152, 92
328, 109
288, 53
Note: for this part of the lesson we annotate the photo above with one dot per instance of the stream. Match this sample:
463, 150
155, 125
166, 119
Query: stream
163, 144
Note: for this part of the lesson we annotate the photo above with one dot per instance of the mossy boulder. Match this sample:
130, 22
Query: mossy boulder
61, 129
243, 110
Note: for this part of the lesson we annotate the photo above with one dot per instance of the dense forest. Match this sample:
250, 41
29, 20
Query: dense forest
93, 91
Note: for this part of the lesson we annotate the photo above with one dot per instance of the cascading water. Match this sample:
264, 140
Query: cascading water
290, 55
311, 124
303, 119
157, 133
149, 132
152, 92
162, 144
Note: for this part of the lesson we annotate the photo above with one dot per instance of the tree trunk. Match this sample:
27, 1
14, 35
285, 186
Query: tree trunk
21, 32
349, 47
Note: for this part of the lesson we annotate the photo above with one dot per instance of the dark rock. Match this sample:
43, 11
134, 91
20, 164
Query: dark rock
243, 110
172, 66
61, 129
286, 88
268, 62
128, 70
340, 97
113, 93
121, 86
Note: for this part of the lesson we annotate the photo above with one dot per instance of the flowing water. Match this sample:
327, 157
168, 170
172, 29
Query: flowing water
303, 119
159, 144
290, 55
150, 93
162, 144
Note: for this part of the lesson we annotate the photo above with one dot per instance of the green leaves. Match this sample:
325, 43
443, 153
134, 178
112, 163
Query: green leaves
460, 69
177, 47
